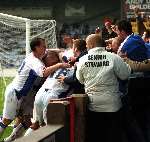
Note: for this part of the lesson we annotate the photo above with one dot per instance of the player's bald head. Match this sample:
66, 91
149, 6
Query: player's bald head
94, 40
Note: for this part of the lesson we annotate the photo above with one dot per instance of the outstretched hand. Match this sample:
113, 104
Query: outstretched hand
65, 65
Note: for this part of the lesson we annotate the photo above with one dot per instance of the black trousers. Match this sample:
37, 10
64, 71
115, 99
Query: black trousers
131, 129
104, 127
139, 99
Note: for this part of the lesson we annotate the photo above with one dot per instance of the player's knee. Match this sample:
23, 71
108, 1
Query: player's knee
6, 121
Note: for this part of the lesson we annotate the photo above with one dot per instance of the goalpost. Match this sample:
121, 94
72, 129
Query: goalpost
16, 33
15, 36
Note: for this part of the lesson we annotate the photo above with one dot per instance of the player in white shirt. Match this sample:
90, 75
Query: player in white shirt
51, 89
31, 67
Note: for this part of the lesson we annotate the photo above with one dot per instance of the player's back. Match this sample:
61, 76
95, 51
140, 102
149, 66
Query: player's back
29, 70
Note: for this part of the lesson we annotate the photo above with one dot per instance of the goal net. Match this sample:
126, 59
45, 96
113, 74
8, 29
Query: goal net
15, 36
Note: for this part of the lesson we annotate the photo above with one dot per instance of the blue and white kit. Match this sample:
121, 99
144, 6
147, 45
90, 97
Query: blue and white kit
30, 69
51, 89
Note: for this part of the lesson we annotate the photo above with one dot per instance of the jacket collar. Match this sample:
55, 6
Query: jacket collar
96, 49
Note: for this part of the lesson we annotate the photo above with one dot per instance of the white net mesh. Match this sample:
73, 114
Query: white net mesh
44, 29
13, 37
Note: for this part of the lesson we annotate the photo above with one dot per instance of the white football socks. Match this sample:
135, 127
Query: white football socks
28, 132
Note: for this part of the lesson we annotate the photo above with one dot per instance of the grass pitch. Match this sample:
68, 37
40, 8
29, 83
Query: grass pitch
2, 90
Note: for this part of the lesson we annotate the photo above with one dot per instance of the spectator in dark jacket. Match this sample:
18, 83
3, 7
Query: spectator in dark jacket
79, 49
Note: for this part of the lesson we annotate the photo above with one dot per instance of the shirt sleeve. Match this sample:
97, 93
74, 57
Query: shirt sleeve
38, 66
79, 72
121, 69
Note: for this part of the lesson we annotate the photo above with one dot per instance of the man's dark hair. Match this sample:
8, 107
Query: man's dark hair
124, 25
36, 42
80, 44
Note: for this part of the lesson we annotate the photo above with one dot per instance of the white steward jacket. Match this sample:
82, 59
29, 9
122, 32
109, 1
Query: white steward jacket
99, 71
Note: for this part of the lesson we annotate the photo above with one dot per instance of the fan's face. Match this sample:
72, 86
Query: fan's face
121, 34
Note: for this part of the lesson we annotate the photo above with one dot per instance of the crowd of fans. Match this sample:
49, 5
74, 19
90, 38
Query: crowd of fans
74, 31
